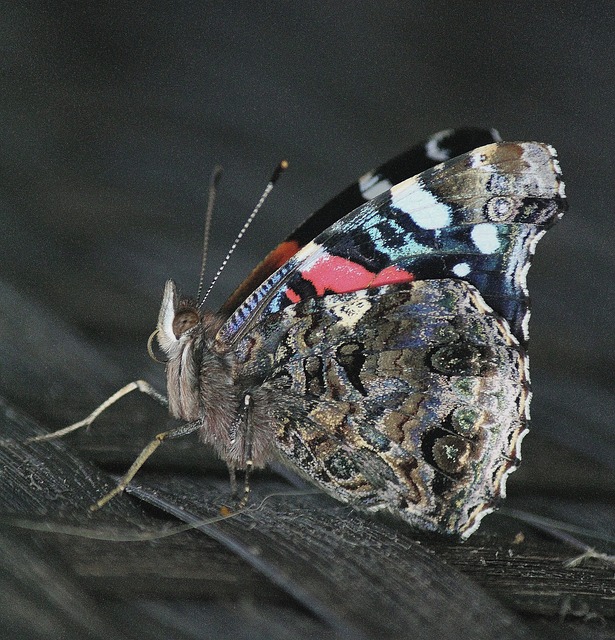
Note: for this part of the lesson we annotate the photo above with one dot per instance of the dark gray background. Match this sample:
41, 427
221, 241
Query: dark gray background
113, 114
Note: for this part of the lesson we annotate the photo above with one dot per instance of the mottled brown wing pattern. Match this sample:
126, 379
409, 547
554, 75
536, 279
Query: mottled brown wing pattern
409, 398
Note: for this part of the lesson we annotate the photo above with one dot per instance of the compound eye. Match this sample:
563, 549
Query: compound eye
184, 321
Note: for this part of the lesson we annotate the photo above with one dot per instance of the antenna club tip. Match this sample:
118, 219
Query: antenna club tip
216, 174
279, 170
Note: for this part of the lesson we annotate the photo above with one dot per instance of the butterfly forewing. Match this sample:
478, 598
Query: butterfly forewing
443, 145
480, 222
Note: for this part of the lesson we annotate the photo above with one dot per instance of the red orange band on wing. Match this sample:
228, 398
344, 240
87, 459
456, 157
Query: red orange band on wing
339, 275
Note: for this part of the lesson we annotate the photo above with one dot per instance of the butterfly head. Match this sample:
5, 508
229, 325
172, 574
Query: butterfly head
197, 369
178, 321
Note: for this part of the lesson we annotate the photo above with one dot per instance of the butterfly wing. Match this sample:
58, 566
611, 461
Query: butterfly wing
409, 398
389, 349
477, 217
443, 145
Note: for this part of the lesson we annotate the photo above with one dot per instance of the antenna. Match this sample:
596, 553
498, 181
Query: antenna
274, 178
214, 180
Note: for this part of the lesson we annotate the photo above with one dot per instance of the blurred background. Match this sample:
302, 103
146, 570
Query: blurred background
112, 116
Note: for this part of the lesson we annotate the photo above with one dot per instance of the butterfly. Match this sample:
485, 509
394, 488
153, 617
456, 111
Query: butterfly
380, 350
381, 353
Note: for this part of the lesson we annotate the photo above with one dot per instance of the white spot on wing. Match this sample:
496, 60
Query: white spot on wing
421, 205
528, 403
526, 369
534, 241
525, 325
485, 237
519, 442
351, 313
554, 160
433, 150
504, 479
513, 468
462, 269
372, 185
468, 532
523, 277
477, 159
309, 249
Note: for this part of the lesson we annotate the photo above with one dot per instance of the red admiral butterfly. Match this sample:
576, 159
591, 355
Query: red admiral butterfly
380, 353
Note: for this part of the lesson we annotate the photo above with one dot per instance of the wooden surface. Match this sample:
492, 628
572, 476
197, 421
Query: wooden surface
113, 118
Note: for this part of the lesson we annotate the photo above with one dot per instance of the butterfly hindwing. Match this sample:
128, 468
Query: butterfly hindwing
409, 398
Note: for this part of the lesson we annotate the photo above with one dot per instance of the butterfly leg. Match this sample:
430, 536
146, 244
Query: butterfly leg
248, 437
232, 471
137, 385
178, 432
